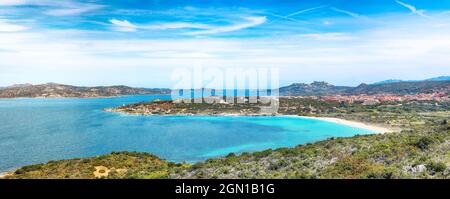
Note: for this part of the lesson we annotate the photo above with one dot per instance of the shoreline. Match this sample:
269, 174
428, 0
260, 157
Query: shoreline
372, 127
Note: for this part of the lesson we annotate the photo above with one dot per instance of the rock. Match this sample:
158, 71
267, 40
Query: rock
420, 168
417, 169
101, 171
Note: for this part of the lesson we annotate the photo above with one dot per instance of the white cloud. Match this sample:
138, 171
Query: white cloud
288, 17
50, 3
177, 25
123, 25
407, 49
352, 14
75, 10
303, 11
333, 36
7, 26
251, 21
56, 8
413, 9
126, 26
12, 2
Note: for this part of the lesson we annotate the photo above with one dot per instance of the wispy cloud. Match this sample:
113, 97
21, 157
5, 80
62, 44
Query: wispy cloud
126, 26
401, 51
414, 10
330, 44
7, 26
333, 36
445, 13
354, 15
176, 25
75, 10
288, 17
304, 10
12, 2
251, 21
123, 25
283, 17
56, 8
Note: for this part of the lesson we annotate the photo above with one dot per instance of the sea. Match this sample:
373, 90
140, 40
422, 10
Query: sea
35, 130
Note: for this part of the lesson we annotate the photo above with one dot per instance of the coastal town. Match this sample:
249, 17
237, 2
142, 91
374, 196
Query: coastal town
378, 98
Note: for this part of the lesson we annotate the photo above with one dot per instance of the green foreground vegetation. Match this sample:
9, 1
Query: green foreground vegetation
421, 149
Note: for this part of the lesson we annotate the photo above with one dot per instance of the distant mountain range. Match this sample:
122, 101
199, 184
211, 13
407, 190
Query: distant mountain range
54, 90
315, 88
441, 78
400, 88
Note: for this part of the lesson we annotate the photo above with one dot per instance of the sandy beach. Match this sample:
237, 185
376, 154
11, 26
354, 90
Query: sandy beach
371, 127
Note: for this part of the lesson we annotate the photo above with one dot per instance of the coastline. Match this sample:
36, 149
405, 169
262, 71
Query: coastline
371, 127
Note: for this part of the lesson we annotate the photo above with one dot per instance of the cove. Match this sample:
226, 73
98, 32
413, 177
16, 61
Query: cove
39, 130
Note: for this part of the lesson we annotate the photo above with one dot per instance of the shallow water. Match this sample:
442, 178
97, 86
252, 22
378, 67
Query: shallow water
38, 130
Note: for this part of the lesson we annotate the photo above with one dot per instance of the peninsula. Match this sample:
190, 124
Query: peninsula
54, 90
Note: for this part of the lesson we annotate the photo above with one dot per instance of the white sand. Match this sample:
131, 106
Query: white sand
370, 127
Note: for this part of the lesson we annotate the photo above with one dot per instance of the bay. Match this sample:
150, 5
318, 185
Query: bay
39, 130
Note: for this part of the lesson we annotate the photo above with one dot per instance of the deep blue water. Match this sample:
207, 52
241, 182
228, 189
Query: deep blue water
38, 130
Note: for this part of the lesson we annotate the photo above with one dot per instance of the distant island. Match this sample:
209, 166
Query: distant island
400, 88
54, 90
440, 78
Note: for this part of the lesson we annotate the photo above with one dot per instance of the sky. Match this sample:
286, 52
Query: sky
141, 42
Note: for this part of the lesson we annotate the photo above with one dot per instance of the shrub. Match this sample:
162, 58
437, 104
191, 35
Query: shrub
26, 169
231, 155
424, 143
436, 167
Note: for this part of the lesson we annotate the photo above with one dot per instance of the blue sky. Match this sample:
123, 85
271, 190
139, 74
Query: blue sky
140, 42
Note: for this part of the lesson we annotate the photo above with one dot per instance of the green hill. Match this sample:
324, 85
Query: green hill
400, 88
53, 90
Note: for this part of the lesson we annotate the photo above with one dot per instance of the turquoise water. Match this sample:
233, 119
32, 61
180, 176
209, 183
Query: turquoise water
38, 130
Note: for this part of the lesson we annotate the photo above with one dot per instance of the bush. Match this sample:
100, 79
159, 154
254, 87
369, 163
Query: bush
424, 143
26, 169
436, 167
231, 155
